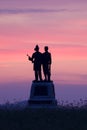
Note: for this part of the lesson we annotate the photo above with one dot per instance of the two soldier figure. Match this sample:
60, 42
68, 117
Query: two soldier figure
41, 59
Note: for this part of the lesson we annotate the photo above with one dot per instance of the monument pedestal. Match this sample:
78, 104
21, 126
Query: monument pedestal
42, 94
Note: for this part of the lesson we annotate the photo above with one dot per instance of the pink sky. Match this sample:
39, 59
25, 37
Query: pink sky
62, 25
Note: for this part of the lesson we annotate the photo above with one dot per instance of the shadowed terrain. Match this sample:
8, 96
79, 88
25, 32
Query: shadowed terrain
43, 119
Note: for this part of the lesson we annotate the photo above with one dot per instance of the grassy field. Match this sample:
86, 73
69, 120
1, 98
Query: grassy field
43, 119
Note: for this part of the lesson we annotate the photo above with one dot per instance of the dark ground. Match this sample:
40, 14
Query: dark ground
43, 119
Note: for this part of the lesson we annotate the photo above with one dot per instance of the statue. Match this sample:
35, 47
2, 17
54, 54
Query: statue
41, 59
42, 94
47, 64
36, 60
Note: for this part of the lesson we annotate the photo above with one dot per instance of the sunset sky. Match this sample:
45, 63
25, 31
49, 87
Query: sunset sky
60, 24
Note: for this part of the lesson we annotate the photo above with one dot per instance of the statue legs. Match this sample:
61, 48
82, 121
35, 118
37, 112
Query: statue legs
47, 72
38, 75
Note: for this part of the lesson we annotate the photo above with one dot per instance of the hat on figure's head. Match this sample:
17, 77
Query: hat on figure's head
36, 48
46, 48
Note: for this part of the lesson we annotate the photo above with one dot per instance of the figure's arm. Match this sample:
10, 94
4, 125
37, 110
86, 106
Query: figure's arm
29, 58
33, 58
50, 59
50, 62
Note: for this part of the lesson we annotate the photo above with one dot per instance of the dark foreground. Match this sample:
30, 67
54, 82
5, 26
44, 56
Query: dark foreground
43, 119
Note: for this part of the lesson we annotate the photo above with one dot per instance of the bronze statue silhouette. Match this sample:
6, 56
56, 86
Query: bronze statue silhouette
36, 60
47, 64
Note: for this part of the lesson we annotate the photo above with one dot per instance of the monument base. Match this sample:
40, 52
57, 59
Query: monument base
42, 94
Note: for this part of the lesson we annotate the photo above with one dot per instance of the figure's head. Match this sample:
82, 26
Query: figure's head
36, 48
46, 48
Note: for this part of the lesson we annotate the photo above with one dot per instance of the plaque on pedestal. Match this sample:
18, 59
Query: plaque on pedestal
42, 94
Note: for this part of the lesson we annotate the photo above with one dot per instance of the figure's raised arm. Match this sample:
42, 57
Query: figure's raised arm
29, 58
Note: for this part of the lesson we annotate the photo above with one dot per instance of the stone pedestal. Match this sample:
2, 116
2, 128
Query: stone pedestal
42, 94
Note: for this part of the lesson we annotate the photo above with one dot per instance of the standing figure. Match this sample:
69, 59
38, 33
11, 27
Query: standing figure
36, 60
47, 64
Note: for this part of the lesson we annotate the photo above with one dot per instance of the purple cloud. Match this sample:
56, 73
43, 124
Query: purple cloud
30, 10
81, 76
